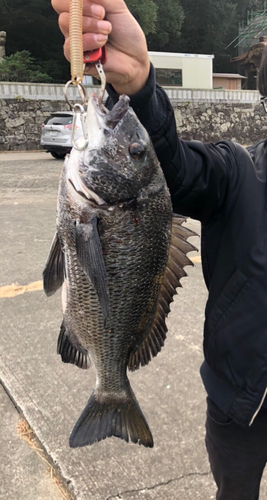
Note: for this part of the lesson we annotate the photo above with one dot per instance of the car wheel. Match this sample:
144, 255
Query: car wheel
58, 156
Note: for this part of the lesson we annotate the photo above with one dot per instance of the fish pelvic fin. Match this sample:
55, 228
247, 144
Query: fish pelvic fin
106, 416
177, 259
70, 349
53, 274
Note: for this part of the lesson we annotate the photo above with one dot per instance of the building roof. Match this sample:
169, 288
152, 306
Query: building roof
178, 54
253, 54
228, 75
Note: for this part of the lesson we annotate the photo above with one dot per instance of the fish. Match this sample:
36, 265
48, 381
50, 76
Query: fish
118, 253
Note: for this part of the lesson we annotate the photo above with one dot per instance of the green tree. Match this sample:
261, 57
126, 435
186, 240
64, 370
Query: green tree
21, 67
170, 17
160, 21
242, 9
33, 26
145, 12
208, 28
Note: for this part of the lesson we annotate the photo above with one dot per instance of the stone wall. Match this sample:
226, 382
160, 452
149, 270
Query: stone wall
243, 123
21, 120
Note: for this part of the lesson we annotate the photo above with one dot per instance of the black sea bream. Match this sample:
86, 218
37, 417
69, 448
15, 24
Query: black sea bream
119, 253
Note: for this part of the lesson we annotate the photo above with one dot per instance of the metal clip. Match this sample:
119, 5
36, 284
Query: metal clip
81, 89
78, 108
103, 81
97, 57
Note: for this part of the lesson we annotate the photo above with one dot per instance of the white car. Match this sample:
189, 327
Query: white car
57, 131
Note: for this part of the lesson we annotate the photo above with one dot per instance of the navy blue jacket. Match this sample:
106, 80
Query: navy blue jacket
224, 186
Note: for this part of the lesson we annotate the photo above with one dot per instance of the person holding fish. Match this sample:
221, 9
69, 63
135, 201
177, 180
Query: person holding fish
223, 186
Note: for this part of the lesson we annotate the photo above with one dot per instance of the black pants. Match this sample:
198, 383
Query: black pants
237, 454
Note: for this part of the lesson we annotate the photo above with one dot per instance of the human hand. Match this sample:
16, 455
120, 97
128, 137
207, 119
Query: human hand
109, 21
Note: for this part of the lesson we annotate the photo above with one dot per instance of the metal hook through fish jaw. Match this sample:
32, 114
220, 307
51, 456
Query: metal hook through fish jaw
103, 80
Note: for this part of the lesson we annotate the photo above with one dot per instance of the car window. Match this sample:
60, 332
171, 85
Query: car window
59, 120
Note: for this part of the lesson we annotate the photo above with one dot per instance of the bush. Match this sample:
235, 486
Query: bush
21, 67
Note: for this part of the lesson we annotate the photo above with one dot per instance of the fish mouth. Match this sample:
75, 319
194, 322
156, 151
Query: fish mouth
108, 119
99, 120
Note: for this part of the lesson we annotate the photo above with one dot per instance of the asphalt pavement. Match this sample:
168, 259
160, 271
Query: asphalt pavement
50, 395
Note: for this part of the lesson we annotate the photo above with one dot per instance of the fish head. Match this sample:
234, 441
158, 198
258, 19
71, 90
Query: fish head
119, 160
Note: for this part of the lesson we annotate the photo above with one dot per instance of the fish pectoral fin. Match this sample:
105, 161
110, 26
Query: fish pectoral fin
106, 416
174, 271
71, 350
90, 255
53, 274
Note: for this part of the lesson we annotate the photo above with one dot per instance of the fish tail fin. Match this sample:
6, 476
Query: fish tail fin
104, 417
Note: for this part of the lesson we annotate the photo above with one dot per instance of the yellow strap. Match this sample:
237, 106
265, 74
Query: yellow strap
76, 43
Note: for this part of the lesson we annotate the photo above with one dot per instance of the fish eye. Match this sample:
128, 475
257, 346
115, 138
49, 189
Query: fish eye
136, 150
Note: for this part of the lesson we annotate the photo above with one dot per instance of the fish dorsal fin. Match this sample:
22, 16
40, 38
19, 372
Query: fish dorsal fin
174, 271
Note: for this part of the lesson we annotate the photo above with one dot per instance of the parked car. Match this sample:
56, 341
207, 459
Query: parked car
56, 133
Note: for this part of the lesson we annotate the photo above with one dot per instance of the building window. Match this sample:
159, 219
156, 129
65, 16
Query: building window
166, 76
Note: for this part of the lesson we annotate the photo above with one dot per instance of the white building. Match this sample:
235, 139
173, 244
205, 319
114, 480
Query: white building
189, 71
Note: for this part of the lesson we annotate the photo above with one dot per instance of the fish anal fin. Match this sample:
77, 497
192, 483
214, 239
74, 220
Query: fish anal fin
70, 349
105, 416
53, 274
174, 271
90, 255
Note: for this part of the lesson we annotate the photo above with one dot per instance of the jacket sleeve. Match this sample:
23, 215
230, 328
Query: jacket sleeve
197, 173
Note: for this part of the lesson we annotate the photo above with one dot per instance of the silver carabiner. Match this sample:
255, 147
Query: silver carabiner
78, 108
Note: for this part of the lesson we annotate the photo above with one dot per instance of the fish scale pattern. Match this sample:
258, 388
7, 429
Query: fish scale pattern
135, 252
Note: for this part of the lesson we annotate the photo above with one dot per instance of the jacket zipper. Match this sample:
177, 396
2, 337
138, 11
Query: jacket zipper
258, 409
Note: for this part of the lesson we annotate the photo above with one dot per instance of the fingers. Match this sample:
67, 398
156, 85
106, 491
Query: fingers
95, 28
90, 25
90, 9
91, 41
